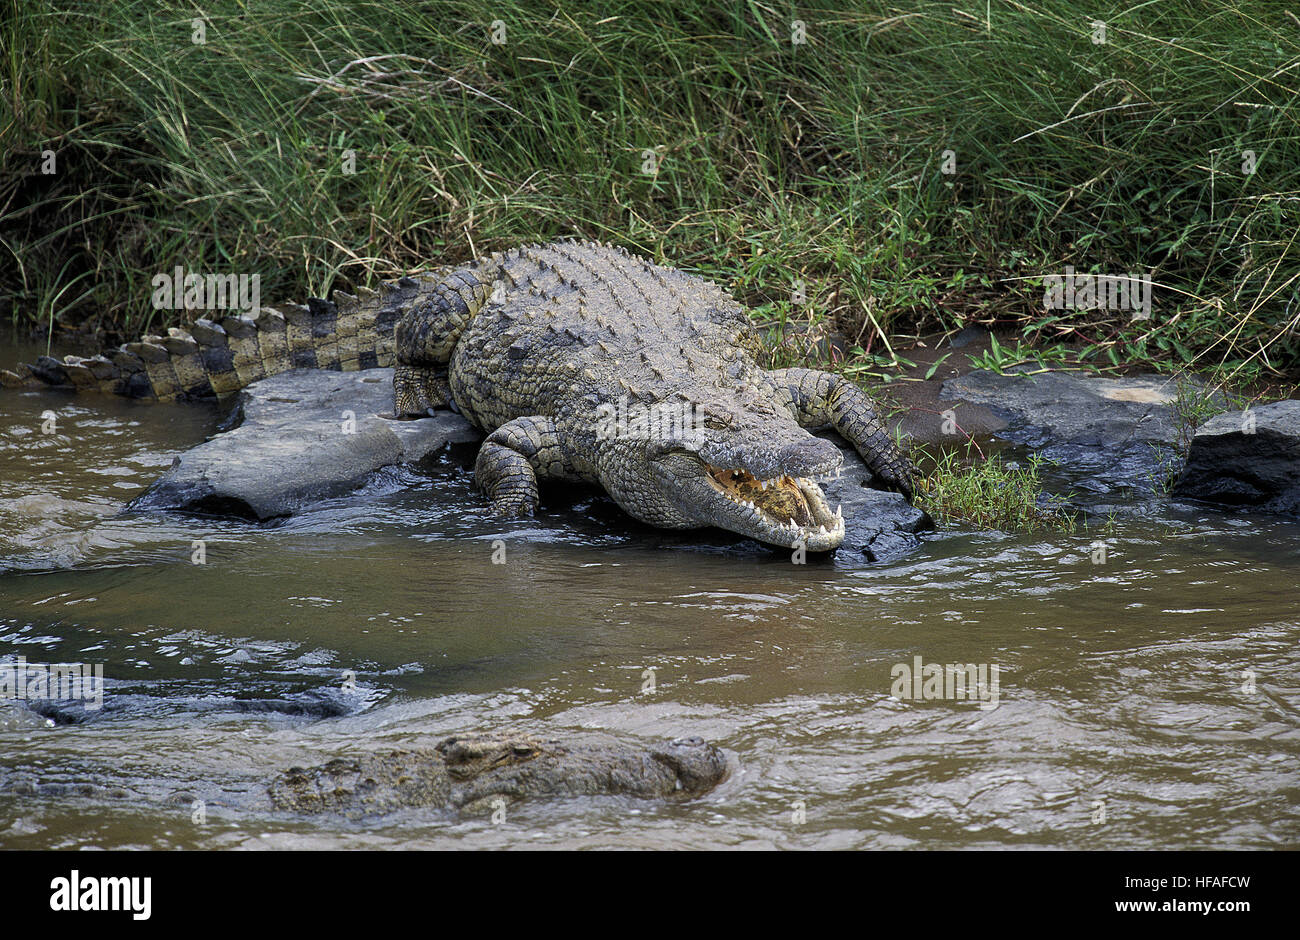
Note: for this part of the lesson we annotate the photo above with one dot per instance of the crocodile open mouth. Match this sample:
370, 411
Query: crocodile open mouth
785, 510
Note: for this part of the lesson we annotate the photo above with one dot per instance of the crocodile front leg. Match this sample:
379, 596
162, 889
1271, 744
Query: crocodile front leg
820, 398
512, 459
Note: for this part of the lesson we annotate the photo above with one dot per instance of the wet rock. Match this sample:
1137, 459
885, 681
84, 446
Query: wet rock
1104, 432
881, 525
969, 335
1247, 458
303, 436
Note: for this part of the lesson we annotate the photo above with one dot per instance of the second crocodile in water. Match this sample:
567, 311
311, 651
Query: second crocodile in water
578, 361
470, 772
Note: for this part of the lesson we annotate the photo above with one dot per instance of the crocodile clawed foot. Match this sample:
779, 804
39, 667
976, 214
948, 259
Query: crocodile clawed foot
900, 477
418, 391
905, 485
515, 507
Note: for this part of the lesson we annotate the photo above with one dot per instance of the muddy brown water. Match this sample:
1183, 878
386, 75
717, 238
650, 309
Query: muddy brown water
1152, 700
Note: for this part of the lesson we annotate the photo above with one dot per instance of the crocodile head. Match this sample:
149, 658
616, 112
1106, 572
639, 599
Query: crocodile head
742, 466
469, 756
699, 766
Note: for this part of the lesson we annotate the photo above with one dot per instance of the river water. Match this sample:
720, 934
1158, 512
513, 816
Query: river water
1150, 700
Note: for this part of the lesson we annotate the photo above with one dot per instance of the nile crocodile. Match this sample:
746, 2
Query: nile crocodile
469, 773
578, 361
466, 773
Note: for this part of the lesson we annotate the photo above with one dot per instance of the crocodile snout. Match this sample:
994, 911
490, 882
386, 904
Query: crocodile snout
699, 766
809, 457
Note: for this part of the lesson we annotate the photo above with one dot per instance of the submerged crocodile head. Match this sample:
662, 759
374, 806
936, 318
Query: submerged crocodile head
698, 765
741, 465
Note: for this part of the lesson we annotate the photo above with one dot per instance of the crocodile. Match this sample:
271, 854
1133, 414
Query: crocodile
578, 361
463, 773
469, 773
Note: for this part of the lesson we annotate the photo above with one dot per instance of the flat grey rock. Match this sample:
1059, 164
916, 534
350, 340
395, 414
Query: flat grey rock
305, 436
1247, 458
1105, 432
881, 525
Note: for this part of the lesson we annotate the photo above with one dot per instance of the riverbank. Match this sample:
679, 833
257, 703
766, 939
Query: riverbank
881, 169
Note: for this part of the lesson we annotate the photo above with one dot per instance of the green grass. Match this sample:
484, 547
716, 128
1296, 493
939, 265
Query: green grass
776, 163
986, 492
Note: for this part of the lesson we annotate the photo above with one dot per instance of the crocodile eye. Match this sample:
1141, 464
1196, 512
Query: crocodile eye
715, 424
522, 751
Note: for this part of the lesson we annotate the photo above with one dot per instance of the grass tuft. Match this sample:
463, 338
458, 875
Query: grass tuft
989, 493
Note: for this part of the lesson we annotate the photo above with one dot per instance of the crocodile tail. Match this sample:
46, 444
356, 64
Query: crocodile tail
214, 358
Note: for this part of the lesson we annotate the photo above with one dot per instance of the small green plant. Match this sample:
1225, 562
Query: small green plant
993, 494
1168, 464
1195, 403
877, 366
1001, 359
